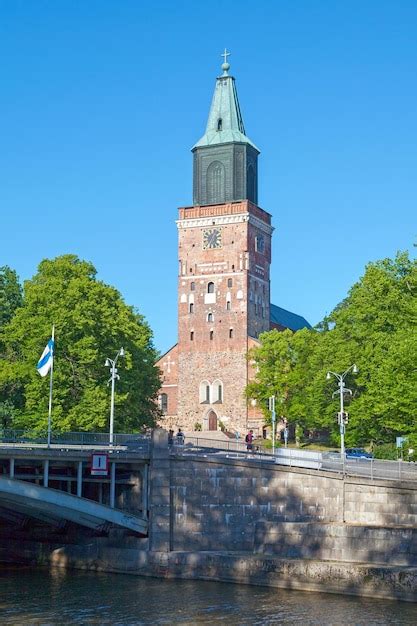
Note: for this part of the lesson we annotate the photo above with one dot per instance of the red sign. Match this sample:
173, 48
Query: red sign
99, 464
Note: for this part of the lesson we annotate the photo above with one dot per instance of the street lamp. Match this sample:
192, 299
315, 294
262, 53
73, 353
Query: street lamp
111, 363
342, 417
271, 404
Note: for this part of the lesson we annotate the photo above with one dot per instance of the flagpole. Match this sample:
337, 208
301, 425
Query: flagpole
50, 387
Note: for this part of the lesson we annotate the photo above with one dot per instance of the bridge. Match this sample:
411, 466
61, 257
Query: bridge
51, 505
57, 485
210, 510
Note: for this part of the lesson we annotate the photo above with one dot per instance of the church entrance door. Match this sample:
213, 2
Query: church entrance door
212, 421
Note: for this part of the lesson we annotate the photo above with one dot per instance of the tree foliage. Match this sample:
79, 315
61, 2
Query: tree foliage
374, 327
10, 294
91, 323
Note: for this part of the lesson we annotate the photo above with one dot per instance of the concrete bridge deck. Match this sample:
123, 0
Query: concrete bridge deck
44, 503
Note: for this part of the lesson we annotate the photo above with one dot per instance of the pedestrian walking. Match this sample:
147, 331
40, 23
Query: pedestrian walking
249, 440
180, 437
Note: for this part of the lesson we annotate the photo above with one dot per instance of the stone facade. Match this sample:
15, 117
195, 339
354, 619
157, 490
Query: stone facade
223, 305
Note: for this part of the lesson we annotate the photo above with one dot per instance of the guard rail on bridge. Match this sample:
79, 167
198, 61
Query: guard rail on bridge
324, 461
19, 438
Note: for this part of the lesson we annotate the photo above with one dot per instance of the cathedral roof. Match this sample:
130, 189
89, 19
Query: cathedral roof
286, 319
225, 122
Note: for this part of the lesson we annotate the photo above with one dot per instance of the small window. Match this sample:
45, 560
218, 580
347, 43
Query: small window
210, 288
164, 402
192, 286
211, 335
228, 305
208, 393
191, 307
229, 282
230, 333
209, 317
219, 123
233, 267
192, 335
260, 244
220, 393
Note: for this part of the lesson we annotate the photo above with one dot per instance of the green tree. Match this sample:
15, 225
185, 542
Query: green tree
281, 363
91, 323
374, 327
10, 300
10, 294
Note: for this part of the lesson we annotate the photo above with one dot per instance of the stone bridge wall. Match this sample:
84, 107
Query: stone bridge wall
199, 503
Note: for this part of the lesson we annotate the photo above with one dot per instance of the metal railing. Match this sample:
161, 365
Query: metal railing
232, 448
31, 437
367, 468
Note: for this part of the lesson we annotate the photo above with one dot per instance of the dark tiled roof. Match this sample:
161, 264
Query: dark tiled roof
282, 317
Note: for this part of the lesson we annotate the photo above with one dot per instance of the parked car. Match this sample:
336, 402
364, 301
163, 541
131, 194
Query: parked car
358, 453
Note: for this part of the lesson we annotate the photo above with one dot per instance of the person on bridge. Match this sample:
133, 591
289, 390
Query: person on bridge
180, 437
249, 440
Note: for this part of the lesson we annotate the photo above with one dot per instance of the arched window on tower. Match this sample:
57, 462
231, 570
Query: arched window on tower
210, 288
215, 183
219, 123
209, 317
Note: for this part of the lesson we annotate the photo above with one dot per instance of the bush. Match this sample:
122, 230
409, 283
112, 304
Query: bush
198, 427
387, 451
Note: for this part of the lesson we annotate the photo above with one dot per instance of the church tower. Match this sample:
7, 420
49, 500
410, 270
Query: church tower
224, 252
224, 256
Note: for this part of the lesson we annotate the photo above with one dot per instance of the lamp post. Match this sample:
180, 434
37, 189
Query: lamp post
273, 419
111, 363
342, 416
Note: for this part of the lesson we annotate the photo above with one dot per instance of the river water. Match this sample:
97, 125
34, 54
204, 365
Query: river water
41, 597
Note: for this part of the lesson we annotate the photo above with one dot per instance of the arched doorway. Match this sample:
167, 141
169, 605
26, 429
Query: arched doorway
212, 421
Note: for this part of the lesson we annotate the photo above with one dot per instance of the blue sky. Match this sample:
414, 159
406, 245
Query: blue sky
101, 101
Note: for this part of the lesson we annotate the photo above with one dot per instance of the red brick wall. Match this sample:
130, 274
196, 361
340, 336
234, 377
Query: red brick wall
217, 351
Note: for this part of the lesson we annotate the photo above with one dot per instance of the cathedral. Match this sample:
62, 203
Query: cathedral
224, 252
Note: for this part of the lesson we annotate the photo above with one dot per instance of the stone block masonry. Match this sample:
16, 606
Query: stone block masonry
217, 504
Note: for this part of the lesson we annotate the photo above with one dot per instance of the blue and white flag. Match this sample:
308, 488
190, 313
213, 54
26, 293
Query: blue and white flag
45, 362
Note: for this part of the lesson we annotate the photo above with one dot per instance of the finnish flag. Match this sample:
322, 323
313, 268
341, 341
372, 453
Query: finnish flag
45, 362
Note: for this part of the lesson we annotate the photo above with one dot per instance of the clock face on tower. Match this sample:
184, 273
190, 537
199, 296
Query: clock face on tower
212, 238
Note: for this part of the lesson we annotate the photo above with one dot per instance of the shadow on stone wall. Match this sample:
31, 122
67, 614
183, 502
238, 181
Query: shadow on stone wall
242, 522
240, 506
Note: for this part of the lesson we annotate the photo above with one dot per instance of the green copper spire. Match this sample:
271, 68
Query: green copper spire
225, 122
225, 160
